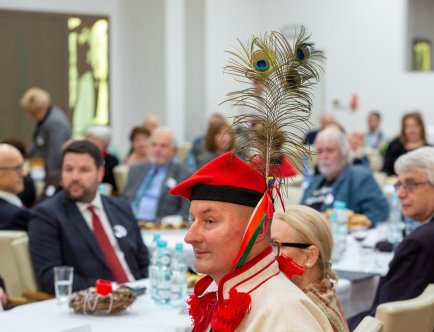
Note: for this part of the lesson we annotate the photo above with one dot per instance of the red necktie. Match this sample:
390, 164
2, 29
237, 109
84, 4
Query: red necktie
107, 249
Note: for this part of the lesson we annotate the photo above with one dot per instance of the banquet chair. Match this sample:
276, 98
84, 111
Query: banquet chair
9, 269
17, 270
183, 150
416, 314
29, 282
120, 173
369, 324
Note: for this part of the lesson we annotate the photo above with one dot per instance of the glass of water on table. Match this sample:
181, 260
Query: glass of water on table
63, 276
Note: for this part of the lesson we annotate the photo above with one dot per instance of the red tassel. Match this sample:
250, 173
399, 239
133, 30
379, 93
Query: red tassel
231, 312
288, 266
201, 310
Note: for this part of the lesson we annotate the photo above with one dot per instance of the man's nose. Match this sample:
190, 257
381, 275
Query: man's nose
192, 235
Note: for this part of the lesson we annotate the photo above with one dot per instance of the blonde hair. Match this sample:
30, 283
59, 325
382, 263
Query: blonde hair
310, 227
35, 99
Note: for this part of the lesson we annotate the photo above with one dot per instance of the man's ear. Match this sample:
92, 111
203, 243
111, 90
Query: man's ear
312, 256
263, 232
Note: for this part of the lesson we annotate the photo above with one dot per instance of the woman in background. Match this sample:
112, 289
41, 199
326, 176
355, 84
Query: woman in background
218, 140
302, 235
139, 139
412, 136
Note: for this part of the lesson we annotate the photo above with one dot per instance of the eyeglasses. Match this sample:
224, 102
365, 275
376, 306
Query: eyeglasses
279, 245
15, 168
409, 185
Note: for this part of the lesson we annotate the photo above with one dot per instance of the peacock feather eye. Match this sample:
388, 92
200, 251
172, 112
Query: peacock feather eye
260, 62
303, 52
293, 79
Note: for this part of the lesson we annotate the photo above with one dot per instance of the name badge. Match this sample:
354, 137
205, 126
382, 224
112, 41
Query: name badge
170, 183
329, 199
119, 231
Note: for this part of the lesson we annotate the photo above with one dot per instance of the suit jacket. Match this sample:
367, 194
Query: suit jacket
59, 235
167, 203
13, 218
410, 271
49, 136
357, 187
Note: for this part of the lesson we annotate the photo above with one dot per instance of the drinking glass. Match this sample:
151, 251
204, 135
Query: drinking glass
359, 233
63, 276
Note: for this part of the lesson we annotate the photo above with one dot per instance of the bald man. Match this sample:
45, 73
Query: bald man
13, 215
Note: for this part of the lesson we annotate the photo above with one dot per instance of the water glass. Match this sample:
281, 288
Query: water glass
63, 276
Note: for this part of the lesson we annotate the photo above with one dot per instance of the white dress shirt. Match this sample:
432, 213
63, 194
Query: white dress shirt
11, 198
100, 212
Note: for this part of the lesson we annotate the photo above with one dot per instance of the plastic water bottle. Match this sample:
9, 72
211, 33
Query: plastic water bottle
394, 234
153, 245
178, 281
339, 225
154, 252
163, 272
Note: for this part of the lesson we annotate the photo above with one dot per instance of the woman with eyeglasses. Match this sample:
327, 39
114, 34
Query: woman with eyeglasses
303, 243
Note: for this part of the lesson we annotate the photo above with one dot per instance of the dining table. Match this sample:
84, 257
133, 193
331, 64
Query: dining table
142, 316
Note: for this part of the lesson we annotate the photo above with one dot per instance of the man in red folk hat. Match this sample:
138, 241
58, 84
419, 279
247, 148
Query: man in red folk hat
244, 289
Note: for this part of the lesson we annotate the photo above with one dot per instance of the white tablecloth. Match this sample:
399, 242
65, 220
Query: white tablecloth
49, 316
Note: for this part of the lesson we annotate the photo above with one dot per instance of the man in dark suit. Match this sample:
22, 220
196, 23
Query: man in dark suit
13, 215
97, 235
149, 183
412, 267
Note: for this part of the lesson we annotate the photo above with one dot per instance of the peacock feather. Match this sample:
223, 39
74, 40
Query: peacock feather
278, 116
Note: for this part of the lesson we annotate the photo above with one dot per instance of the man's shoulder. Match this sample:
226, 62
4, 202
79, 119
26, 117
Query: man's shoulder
53, 203
423, 233
6, 206
139, 167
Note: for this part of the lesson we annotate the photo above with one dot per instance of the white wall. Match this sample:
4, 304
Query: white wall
364, 42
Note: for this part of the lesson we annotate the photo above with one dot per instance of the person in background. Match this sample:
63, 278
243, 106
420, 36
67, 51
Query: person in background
101, 136
357, 146
3, 294
339, 180
302, 235
13, 215
412, 136
325, 120
96, 234
151, 122
148, 183
218, 140
139, 140
52, 128
255, 296
198, 145
412, 267
28, 195
374, 137
281, 165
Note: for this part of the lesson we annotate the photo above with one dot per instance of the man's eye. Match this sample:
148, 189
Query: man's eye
209, 221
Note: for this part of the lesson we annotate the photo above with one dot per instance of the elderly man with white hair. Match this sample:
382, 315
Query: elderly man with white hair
338, 180
412, 267
149, 183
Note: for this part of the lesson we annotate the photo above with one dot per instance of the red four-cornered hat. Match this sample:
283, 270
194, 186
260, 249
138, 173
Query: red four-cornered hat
224, 179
